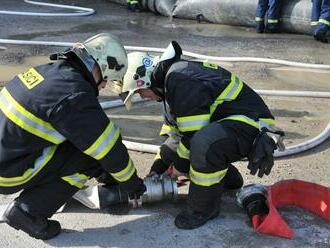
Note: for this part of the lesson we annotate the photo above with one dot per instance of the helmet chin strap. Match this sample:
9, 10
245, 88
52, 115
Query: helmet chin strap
97, 75
86, 60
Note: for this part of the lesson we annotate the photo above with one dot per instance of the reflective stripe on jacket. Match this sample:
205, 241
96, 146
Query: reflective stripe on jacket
199, 93
46, 106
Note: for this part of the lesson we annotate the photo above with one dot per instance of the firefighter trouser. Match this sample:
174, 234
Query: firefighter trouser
273, 8
133, 5
320, 20
57, 182
212, 149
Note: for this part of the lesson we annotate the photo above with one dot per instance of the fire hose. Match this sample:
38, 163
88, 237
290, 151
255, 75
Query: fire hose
81, 11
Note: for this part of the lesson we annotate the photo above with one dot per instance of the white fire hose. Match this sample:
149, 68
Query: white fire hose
80, 10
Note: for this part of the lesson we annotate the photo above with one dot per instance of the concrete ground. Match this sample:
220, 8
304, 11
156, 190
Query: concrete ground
301, 118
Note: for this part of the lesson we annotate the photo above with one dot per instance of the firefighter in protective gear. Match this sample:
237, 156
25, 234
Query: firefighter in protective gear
320, 21
213, 119
55, 135
272, 8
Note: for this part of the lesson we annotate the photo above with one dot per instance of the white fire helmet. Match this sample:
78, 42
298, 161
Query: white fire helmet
138, 75
109, 54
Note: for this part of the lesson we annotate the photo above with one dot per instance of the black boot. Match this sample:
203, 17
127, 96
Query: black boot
321, 35
36, 226
233, 179
260, 27
272, 28
203, 205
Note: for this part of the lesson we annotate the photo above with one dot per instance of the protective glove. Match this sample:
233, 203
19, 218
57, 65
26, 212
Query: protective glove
261, 158
158, 167
137, 191
105, 178
167, 154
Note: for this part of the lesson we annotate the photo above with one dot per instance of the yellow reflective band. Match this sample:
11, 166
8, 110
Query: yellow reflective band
210, 65
192, 123
272, 21
26, 120
77, 180
314, 23
104, 142
125, 174
157, 156
182, 151
259, 19
206, 179
168, 130
263, 122
39, 163
324, 22
31, 78
230, 93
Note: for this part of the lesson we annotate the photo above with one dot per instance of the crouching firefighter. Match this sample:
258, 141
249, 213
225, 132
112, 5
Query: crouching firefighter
212, 119
55, 135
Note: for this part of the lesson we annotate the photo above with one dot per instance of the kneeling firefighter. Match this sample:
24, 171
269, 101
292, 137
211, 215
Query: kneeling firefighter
55, 135
211, 118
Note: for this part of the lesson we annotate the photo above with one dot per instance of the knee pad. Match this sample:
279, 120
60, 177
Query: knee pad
201, 148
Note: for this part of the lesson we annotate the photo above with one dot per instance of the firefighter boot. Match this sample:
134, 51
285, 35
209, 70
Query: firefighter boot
36, 226
272, 28
203, 204
260, 27
321, 35
233, 179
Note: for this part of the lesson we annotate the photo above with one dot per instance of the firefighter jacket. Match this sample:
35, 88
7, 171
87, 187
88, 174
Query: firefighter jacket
198, 93
46, 106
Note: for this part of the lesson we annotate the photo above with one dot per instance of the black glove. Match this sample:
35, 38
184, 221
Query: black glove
167, 154
105, 178
159, 167
182, 165
138, 190
261, 157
